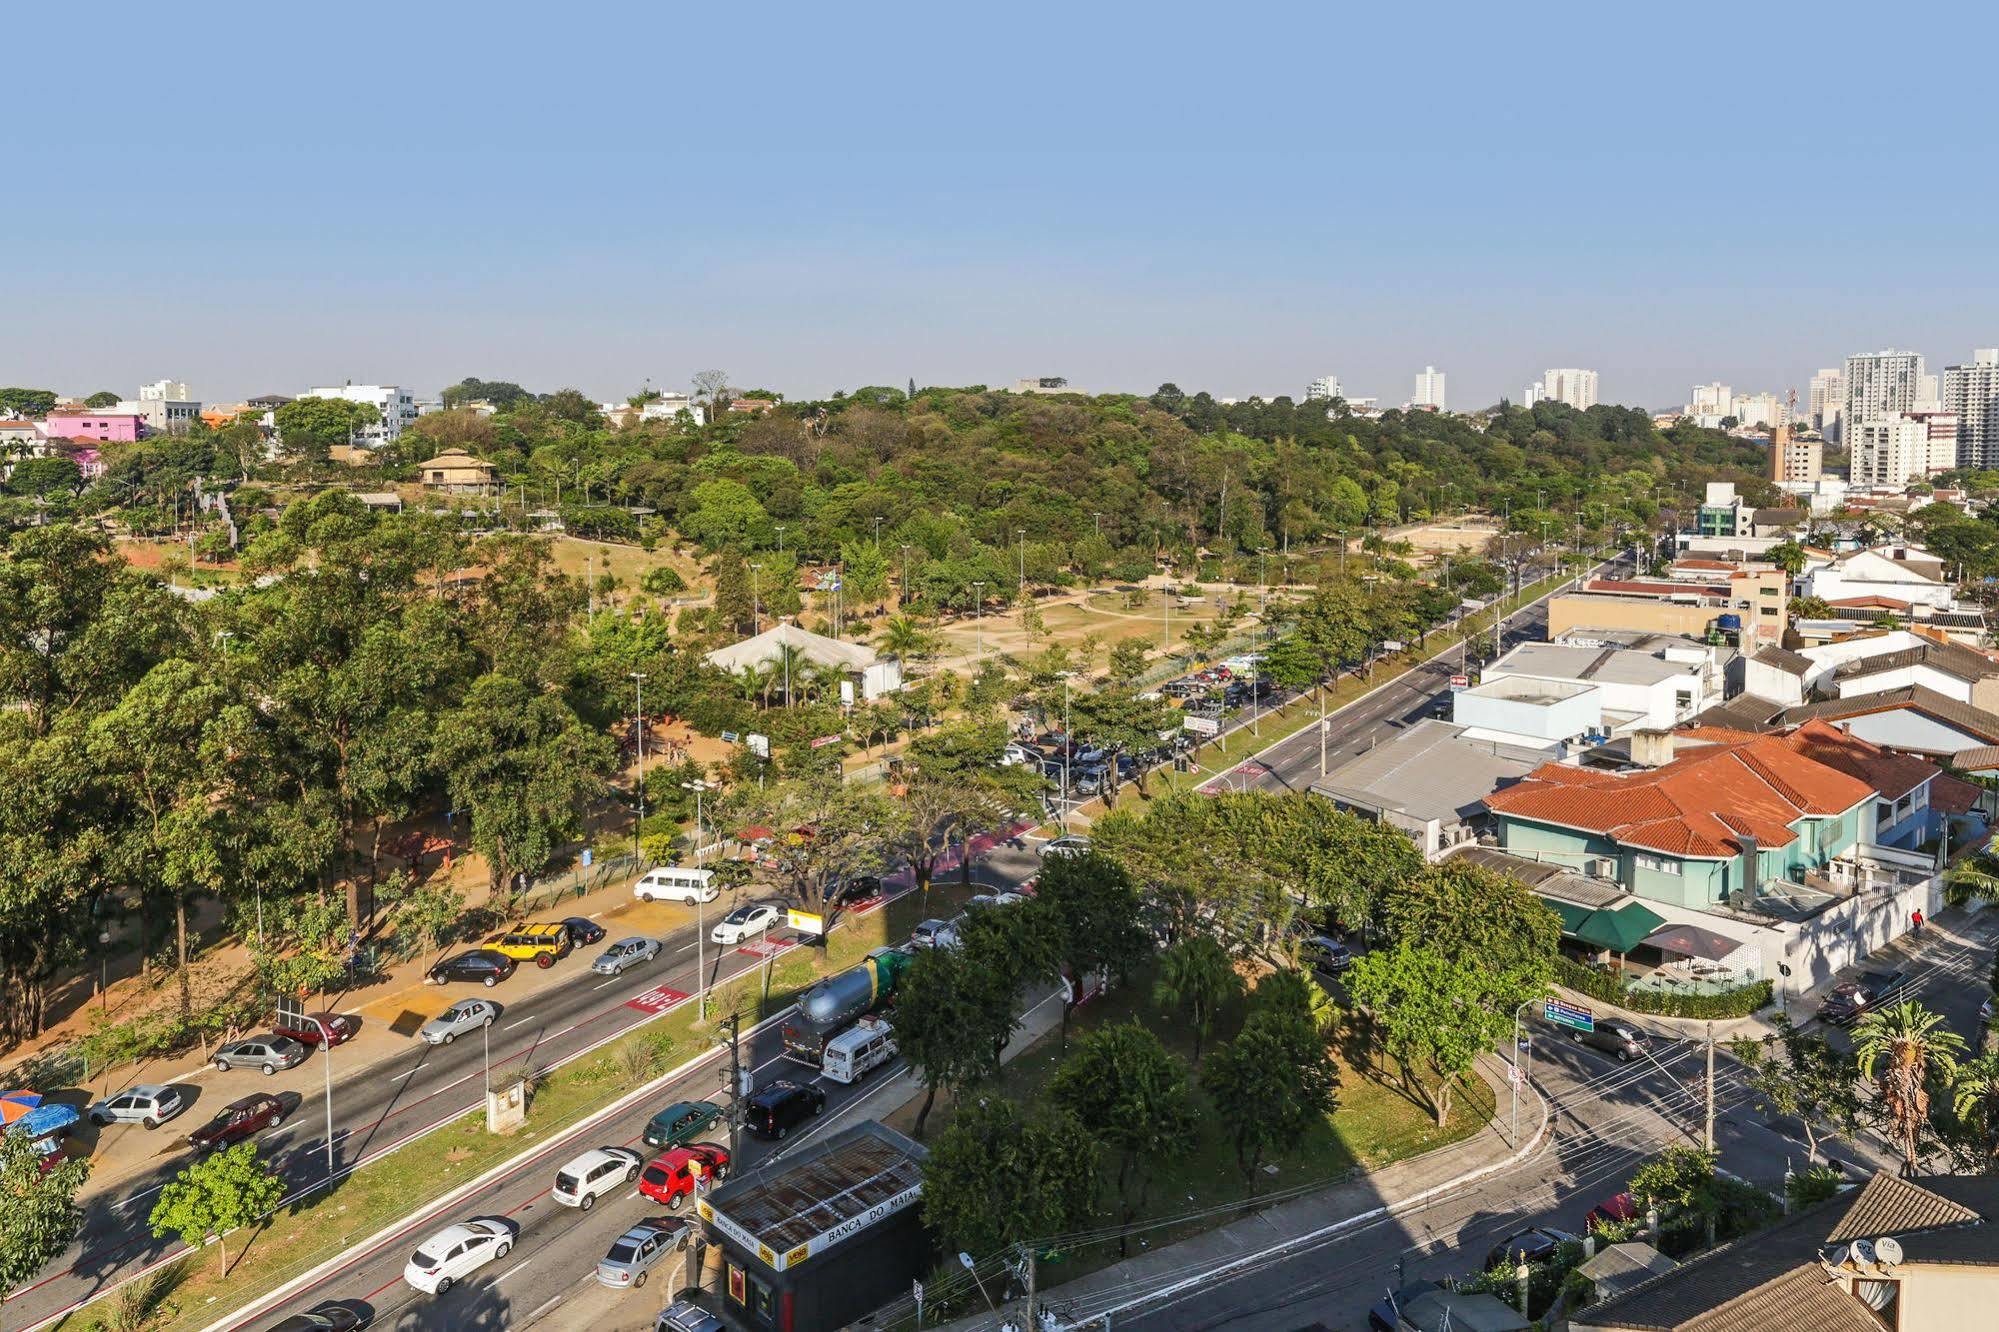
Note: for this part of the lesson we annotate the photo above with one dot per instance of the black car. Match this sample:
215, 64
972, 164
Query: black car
481, 964
1869, 990
1621, 1039
1384, 1316
774, 1109
1536, 1244
582, 930
326, 1318
861, 888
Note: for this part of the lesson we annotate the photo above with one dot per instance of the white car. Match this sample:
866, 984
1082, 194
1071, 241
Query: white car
1067, 846
934, 934
463, 1016
595, 1173
151, 1106
455, 1252
625, 953
747, 922
979, 901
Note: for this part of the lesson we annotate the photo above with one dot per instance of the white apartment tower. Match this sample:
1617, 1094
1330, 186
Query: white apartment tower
1577, 388
1881, 384
1828, 397
396, 406
1885, 452
1710, 400
1972, 391
1324, 389
1429, 389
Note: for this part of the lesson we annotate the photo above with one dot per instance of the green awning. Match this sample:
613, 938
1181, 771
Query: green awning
1621, 930
1572, 915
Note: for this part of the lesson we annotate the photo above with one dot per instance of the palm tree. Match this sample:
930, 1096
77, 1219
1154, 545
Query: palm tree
753, 683
904, 636
1976, 1099
1973, 877
1899, 1049
788, 670
1196, 975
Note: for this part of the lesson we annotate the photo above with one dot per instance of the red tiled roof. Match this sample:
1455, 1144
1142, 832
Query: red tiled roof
1704, 803
1892, 775
1948, 795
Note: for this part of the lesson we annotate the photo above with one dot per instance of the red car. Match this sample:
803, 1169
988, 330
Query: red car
670, 1176
340, 1028
238, 1120
1613, 1211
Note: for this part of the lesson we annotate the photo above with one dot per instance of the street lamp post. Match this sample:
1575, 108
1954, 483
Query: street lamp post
878, 532
756, 599
1513, 1061
1021, 534
326, 1066
979, 615
639, 723
902, 603
1068, 745
780, 538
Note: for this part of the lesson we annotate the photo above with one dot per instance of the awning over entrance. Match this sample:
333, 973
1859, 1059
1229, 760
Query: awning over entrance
1620, 930
1692, 941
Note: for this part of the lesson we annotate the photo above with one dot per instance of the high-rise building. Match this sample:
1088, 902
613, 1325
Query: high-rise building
1577, 388
1757, 409
1429, 389
1880, 384
1886, 452
1324, 389
1796, 462
165, 390
1710, 400
1828, 397
1972, 391
1940, 429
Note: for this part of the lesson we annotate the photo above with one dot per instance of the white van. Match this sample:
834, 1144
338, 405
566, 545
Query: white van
858, 1050
672, 884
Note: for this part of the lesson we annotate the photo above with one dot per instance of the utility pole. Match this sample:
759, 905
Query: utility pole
639, 722
1033, 1323
735, 1085
1707, 1131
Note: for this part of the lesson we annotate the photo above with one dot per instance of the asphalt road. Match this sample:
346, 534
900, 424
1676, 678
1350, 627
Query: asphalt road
552, 1267
380, 1106
1607, 1118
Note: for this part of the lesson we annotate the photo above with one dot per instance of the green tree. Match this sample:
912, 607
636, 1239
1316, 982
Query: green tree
1096, 910
502, 394
1975, 1102
1806, 1078
999, 1176
828, 832
724, 514
1681, 1180
904, 636
1277, 1080
1196, 975
1476, 915
1904, 1050
1131, 1095
524, 767
102, 398
221, 1192
1435, 1015
863, 574
1121, 719
45, 476
20, 402
1788, 556
40, 1216
952, 1018
1127, 661
734, 605
312, 427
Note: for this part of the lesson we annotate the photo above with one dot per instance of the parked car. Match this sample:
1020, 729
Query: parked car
1868, 990
543, 943
860, 888
625, 953
1613, 1037
325, 1318
1615, 1210
455, 1252
305, 1029
934, 934
681, 1123
670, 883
583, 931
1385, 1315
1327, 955
1067, 846
687, 1316
467, 1015
1536, 1244
590, 1176
673, 1175
480, 964
269, 1053
240, 1119
980, 901
747, 922
636, 1252
776, 1108
148, 1105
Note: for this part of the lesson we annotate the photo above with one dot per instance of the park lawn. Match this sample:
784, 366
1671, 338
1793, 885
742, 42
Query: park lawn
318, 1226
1374, 1124
630, 564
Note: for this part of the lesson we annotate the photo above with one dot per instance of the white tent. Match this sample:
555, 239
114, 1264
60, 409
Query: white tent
878, 674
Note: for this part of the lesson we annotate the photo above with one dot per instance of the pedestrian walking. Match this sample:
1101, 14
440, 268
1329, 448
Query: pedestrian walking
1916, 919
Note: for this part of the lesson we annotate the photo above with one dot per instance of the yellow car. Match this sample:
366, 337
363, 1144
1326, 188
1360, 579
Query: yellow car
541, 942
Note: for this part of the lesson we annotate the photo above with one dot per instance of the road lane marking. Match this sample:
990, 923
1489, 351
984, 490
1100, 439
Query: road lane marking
511, 1270
545, 1308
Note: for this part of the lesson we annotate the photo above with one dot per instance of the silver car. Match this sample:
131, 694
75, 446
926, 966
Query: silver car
269, 1053
463, 1016
151, 1106
640, 1249
625, 953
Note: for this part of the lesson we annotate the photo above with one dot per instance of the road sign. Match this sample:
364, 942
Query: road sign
657, 1000
805, 922
1202, 725
825, 740
1460, 682
1568, 1015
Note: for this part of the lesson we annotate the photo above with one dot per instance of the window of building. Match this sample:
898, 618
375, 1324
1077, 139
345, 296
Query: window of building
1884, 813
1658, 865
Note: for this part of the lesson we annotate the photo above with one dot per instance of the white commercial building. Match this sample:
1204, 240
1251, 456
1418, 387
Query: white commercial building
1323, 389
166, 405
1429, 389
1827, 400
397, 407
1879, 385
1909, 575
1887, 452
1972, 391
1638, 690
1757, 409
1577, 388
1710, 400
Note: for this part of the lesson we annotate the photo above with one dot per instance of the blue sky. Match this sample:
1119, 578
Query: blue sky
811, 197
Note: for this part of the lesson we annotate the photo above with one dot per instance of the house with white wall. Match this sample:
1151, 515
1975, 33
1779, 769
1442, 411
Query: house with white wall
1636, 690
1903, 574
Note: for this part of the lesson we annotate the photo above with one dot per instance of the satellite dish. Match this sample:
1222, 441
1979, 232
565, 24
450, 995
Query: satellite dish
1862, 1252
1888, 1251
1837, 1258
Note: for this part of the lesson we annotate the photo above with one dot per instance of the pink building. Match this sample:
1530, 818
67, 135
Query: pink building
104, 427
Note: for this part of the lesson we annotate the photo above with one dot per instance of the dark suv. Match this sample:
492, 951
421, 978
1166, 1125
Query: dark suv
1865, 992
483, 965
777, 1107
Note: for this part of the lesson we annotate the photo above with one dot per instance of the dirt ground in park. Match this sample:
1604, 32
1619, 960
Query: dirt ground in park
1070, 617
629, 564
1458, 536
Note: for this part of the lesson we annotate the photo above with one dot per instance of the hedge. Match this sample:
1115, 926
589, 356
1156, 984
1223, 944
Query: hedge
1613, 990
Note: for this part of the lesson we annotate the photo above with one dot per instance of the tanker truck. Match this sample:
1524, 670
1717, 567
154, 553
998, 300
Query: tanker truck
836, 1003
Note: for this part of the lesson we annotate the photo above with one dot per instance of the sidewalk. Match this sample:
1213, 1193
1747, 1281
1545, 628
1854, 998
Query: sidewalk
1148, 1275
